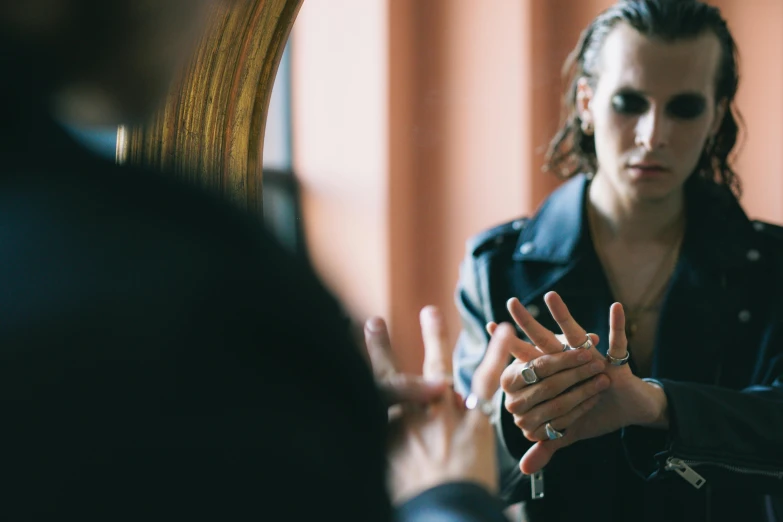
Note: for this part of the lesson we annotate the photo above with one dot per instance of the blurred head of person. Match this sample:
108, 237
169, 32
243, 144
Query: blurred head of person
98, 62
650, 100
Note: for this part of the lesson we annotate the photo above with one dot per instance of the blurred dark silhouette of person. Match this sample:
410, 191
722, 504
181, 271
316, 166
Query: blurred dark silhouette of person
162, 357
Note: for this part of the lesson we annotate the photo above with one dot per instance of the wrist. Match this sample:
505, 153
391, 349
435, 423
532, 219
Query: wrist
658, 411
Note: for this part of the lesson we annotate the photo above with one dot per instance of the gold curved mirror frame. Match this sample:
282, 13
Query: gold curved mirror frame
211, 129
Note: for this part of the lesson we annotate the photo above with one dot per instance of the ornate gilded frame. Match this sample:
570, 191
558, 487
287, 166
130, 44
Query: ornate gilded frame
211, 130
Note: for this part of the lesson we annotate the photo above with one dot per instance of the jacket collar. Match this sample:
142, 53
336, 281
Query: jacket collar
718, 234
718, 230
554, 232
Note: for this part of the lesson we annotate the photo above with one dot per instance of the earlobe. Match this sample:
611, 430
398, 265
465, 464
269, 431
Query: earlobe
584, 95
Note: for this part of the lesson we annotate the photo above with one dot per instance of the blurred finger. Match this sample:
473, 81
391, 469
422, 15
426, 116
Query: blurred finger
437, 350
491, 327
522, 350
538, 335
412, 389
486, 379
618, 342
376, 338
575, 335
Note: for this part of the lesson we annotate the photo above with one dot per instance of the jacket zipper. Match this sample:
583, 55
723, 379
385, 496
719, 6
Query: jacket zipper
684, 469
537, 485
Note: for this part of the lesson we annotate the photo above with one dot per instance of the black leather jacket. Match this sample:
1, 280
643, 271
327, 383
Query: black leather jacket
718, 353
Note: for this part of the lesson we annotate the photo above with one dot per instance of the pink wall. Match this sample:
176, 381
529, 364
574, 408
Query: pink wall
457, 126
756, 27
339, 99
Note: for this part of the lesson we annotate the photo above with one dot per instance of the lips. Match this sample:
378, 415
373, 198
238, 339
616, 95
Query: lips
652, 167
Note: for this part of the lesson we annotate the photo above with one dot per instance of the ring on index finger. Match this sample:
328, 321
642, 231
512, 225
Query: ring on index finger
615, 361
584, 346
529, 373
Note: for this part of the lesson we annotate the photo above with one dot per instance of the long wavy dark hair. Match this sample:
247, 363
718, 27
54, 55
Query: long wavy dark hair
572, 151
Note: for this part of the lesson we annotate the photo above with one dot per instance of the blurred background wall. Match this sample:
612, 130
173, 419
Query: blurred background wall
410, 125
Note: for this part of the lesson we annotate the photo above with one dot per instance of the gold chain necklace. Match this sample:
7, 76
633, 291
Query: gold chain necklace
650, 299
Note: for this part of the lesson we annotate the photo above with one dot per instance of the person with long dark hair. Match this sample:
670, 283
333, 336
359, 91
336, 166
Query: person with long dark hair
648, 217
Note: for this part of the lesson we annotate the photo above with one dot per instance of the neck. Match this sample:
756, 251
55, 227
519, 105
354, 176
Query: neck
620, 218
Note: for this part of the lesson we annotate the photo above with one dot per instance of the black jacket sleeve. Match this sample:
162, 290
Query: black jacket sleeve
729, 437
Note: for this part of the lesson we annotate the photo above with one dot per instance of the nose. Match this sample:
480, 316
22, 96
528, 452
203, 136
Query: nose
652, 130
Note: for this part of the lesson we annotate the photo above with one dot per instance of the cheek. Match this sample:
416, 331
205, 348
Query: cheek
688, 140
614, 136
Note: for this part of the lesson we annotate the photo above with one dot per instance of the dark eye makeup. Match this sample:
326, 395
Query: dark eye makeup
683, 106
686, 106
630, 103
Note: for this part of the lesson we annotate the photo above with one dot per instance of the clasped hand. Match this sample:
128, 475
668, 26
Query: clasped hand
578, 394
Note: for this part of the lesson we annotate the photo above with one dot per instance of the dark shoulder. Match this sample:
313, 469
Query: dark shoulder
769, 238
497, 238
769, 230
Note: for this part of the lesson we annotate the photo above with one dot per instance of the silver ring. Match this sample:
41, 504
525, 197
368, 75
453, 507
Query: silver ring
553, 433
614, 361
529, 374
584, 346
566, 347
474, 402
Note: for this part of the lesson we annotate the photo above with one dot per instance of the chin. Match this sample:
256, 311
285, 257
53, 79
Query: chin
653, 188
653, 191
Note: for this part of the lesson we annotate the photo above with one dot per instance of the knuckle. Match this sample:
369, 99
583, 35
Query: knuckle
535, 364
530, 435
525, 423
543, 366
507, 379
516, 405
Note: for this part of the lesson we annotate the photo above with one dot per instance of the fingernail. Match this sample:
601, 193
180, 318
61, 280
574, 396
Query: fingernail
601, 383
375, 324
584, 355
596, 367
429, 314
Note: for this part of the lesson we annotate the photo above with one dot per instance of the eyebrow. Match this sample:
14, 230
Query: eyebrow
685, 94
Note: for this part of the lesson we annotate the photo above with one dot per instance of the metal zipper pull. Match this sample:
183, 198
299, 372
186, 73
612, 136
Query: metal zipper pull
685, 471
537, 484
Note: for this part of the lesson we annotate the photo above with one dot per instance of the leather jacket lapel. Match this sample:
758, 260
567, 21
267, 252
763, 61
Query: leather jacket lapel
550, 245
702, 314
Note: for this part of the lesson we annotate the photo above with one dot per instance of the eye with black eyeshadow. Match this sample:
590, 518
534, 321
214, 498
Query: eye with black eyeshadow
629, 103
687, 106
